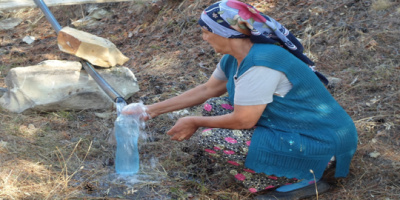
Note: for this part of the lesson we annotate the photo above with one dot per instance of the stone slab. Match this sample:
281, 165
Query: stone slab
63, 85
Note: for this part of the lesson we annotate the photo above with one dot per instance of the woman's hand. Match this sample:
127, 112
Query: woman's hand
183, 129
136, 109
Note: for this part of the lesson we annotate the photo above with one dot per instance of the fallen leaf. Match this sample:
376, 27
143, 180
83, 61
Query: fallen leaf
371, 45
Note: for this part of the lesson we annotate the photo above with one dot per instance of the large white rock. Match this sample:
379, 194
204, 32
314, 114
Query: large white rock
10, 23
63, 85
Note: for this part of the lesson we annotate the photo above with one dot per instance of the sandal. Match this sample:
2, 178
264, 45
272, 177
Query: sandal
300, 193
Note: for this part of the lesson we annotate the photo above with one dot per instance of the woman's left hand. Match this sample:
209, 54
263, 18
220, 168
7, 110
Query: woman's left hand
183, 129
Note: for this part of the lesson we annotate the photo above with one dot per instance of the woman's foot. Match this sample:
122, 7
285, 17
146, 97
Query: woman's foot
283, 193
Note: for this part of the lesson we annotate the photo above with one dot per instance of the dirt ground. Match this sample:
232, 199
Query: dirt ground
68, 154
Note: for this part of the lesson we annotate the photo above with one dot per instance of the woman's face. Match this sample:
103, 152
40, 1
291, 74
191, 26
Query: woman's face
219, 43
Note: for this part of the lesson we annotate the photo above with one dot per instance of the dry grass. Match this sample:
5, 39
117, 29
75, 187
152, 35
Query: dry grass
381, 4
67, 154
22, 178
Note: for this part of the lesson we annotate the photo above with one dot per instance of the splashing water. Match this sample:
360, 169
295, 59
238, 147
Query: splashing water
120, 104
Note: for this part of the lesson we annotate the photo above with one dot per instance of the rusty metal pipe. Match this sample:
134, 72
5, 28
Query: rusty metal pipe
117, 98
102, 83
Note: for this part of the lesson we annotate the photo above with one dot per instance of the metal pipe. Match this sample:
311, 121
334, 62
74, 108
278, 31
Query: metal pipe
101, 82
48, 14
117, 98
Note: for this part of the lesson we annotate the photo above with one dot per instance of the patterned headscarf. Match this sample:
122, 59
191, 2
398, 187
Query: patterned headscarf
234, 19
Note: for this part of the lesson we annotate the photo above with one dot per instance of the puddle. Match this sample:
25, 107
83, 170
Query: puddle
98, 179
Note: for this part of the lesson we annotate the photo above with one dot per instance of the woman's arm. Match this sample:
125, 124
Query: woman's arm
198, 95
243, 117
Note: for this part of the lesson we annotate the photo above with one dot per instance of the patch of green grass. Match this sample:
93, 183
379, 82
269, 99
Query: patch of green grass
178, 193
67, 115
155, 47
4, 69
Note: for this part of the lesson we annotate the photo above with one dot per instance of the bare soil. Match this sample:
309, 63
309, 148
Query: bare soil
69, 154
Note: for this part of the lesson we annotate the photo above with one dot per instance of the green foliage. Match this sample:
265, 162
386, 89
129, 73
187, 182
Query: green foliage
179, 193
67, 115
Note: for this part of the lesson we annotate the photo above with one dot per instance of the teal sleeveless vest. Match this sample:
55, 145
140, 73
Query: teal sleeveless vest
298, 134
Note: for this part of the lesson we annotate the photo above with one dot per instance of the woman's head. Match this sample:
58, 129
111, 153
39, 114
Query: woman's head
218, 42
235, 19
228, 18
212, 21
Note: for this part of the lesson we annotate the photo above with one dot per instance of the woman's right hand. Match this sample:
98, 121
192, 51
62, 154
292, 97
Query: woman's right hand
136, 109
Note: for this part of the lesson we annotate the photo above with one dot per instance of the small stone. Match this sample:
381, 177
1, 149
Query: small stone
374, 154
31, 126
28, 39
333, 81
181, 112
189, 195
100, 14
87, 22
104, 115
